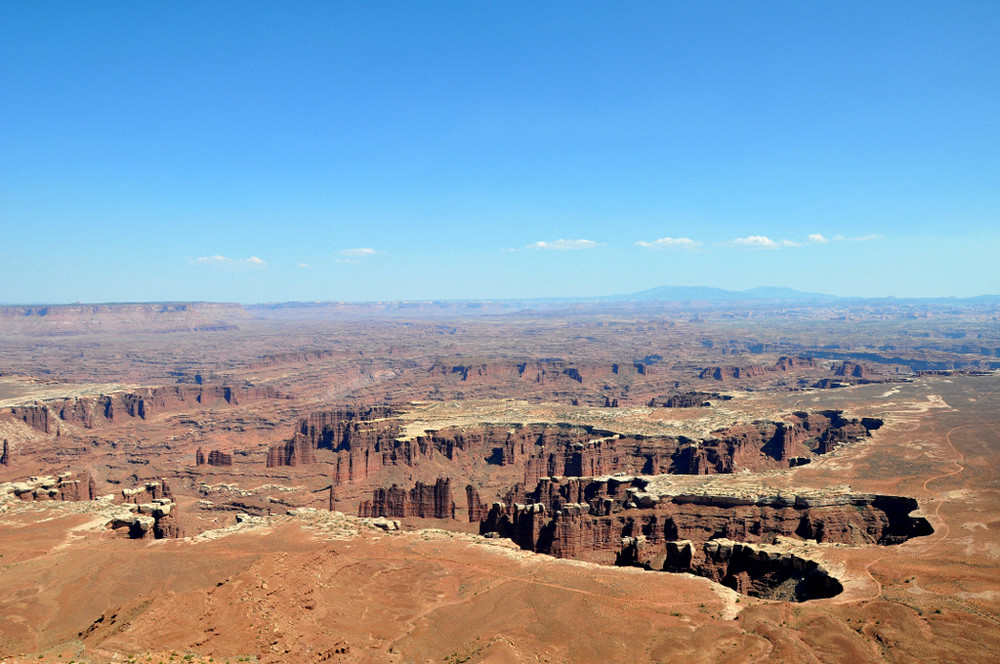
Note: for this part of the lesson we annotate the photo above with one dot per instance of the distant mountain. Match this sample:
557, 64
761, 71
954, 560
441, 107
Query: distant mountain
707, 294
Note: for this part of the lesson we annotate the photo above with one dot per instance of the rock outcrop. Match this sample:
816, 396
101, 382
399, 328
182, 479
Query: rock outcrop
296, 452
149, 492
535, 371
732, 373
727, 373
152, 512
153, 520
64, 487
588, 452
587, 517
764, 445
37, 416
751, 569
580, 381
5, 456
215, 458
475, 508
685, 400
218, 458
91, 412
364, 441
423, 500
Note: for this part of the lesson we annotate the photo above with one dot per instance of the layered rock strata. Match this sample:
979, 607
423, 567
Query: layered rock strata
737, 373
90, 412
586, 451
423, 500
475, 508
364, 441
215, 458
296, 452
587, 517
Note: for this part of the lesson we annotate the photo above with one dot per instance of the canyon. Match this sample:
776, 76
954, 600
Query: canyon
816, 483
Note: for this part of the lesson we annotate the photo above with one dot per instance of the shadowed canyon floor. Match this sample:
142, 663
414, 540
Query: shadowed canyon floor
888, 484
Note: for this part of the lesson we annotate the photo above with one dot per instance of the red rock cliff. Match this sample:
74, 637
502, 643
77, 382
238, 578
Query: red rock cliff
423, 500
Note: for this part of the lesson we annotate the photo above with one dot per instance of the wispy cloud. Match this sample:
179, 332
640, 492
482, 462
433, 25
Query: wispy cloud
564, 245
756, 242
764, 242
748, 242
669, 242
304, 265
220, 260
354, 255
357, 253
860, 238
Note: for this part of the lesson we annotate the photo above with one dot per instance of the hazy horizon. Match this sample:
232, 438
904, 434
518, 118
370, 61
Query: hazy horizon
607, 298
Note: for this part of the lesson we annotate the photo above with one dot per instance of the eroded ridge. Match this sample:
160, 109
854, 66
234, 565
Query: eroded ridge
595, 494
363, 441
638, 521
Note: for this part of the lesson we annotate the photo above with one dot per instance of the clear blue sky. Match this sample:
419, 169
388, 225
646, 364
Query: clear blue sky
271, 151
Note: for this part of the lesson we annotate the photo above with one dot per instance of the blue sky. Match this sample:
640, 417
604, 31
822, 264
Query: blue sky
370, 151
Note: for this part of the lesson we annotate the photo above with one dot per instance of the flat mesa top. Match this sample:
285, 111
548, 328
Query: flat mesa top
15, 391
420, 417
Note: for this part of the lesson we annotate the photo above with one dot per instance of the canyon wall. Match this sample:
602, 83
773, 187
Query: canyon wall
588, 517
364, 441
88, 412
423, 500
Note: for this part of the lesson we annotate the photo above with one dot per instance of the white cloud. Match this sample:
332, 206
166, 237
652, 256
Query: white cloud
214, 260
860, 238
563, 245
357, 253
223, 260
509, 251
764, 242
354, 255
757, 242
304, 265
666, 242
